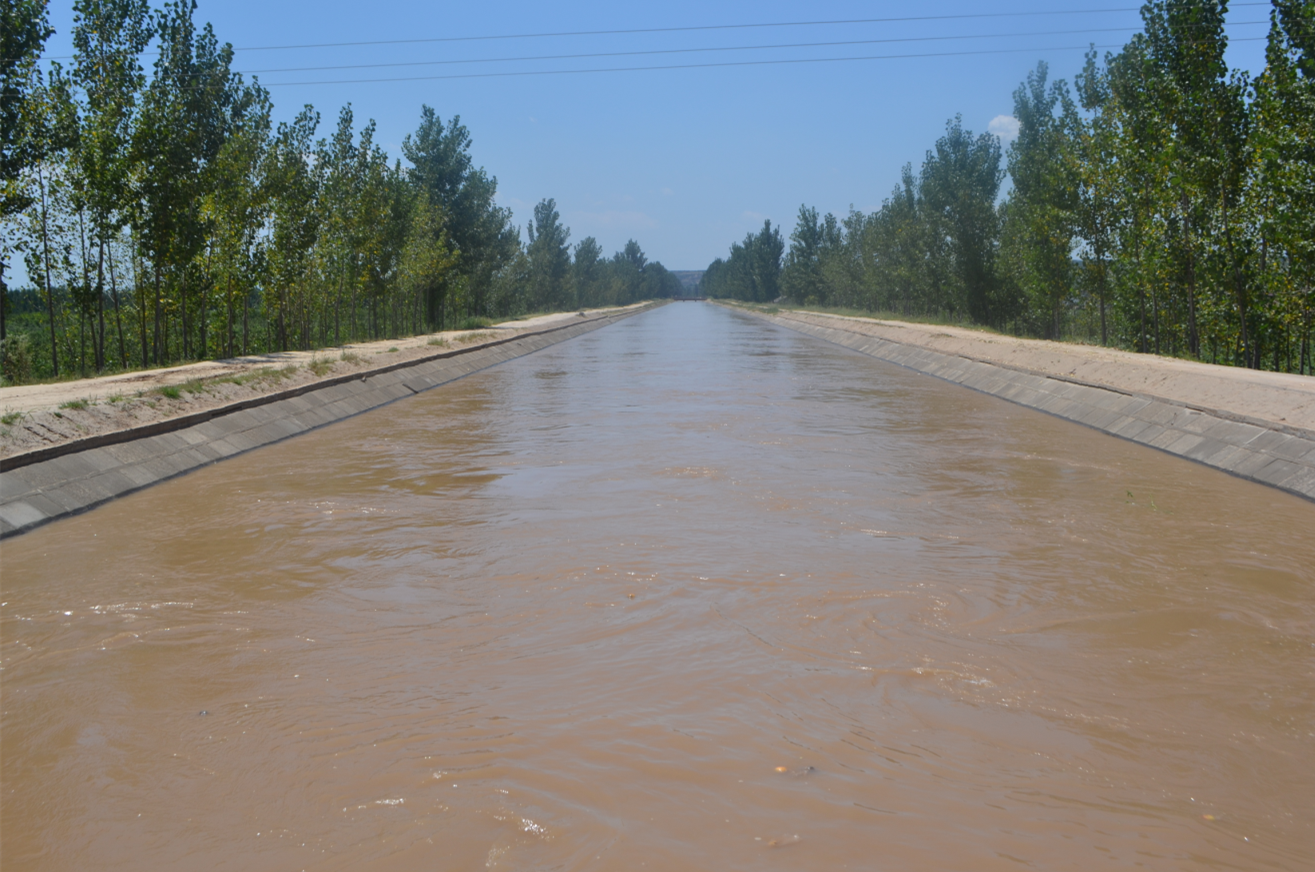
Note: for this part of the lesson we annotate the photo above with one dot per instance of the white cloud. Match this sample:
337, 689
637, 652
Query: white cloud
1005, 127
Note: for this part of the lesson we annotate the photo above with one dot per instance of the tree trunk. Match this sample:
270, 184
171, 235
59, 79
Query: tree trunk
1193, 345
228, 337
118, 313
159, 318
84, 305
141, 311
100, 307
182, 311
50, 294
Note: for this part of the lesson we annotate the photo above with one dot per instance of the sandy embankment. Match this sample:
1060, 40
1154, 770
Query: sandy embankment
1282, 401
37, 417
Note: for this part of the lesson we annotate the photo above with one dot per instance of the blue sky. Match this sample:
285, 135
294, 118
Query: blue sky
684, 160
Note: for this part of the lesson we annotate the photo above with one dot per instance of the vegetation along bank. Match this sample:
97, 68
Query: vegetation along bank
163, 216
1163, 203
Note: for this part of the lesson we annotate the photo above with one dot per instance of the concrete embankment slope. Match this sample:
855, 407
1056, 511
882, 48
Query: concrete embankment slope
77, 476
1256, 425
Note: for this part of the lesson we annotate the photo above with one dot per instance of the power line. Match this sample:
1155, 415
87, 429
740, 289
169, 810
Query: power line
693, 28
709, 65
707, 27
670, 51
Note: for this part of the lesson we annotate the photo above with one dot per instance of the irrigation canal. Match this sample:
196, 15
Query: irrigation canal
688, 592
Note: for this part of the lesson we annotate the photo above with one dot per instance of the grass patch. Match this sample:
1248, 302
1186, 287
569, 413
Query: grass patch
474, 323
262, 375
475, 337
170, 392
11, 418
352, 356
439, 341
117, 398
394, 350
320, 366
76, 405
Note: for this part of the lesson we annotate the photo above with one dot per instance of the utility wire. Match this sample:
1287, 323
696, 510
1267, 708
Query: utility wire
691, 29
671, 51
707, 27
710, 65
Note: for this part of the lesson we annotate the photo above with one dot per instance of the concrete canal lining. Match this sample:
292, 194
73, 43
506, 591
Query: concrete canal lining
78, 476
1260, 449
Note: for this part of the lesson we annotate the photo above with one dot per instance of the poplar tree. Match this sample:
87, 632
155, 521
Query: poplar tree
801, 276
1039, 215
480, 230
549, 258
1092, 152
108, 38
960, 180
24, 29
293, 181
587, 272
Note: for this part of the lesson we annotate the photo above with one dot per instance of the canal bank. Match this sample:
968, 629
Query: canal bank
1256, 425
75, 475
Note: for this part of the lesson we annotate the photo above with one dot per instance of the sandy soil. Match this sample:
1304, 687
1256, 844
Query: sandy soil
38, 416
1278, 398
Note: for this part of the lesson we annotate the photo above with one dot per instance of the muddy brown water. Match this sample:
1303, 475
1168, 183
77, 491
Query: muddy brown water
689, 592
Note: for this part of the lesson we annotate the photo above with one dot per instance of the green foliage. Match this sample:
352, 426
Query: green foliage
753, 270
549, 259
1037, 232
16, 359
76, 405
1164, 204
24, 29
163, 217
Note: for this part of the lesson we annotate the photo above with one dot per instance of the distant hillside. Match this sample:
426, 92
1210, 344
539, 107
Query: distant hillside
689, 280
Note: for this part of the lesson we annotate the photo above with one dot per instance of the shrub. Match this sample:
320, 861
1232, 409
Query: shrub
16, 359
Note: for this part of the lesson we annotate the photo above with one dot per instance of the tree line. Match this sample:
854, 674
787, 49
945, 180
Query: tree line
164, 216
1163, 203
